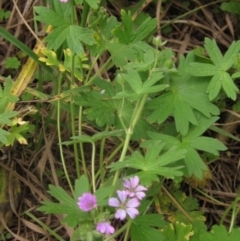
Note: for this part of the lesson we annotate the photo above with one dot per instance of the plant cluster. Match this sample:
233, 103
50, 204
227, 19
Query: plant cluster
119, 78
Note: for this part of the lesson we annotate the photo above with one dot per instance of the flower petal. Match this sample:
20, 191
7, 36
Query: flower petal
127, 184
140, 195
105, 228
134, 181
140, 188
132, 212
122, 196
87, 202
120, 214
133, 203
113, 202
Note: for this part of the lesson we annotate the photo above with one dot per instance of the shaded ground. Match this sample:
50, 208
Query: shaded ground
38, 164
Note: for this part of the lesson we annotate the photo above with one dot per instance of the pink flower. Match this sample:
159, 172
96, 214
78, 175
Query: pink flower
125, 205
105, 228
64, 1
87, 202
134, 189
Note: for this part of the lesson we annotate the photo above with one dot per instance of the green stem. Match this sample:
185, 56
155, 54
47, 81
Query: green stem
116, 150
135, 117
127, 230
59, 135
84, 14
99, 71
72, 113
103, 141
81, 144
119, 231
93, 167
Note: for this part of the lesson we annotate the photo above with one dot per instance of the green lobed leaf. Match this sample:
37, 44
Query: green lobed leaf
183, 115
3, 136
121, 53
62, 9
62, 196
201, 69
12, 63
229, 87
145, 233
101, 135
214, 86
230, 55
193, 162
50, 17
208, 144
154, 78
16, 134
152, 220
147, 27
6, 95
102, 195
57, 37
81, 186
213, 51
134, 80
231, 7
5, 118
93, 3
203, 124
162, 107
220, 233
178, 232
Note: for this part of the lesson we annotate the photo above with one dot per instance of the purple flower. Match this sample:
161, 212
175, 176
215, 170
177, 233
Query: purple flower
87, 202
105, 228
125, 205
134, 189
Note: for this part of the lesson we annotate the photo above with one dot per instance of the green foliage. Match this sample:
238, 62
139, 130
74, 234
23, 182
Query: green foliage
64, 30
231, 7
178, 231
144, 228
67, 205
220, 233
153, 164
6, 115
218, 69
12, 63
4, 14
191, 143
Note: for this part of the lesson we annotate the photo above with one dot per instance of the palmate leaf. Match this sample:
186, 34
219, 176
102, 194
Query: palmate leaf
220, 233
125, 32
3, 136
48, 16
122, 53
73, 34
184, 96
178, 231
153, 164
213, 51
142, 228
5, 118
221, 64
67, 205
135, 82
194, 164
